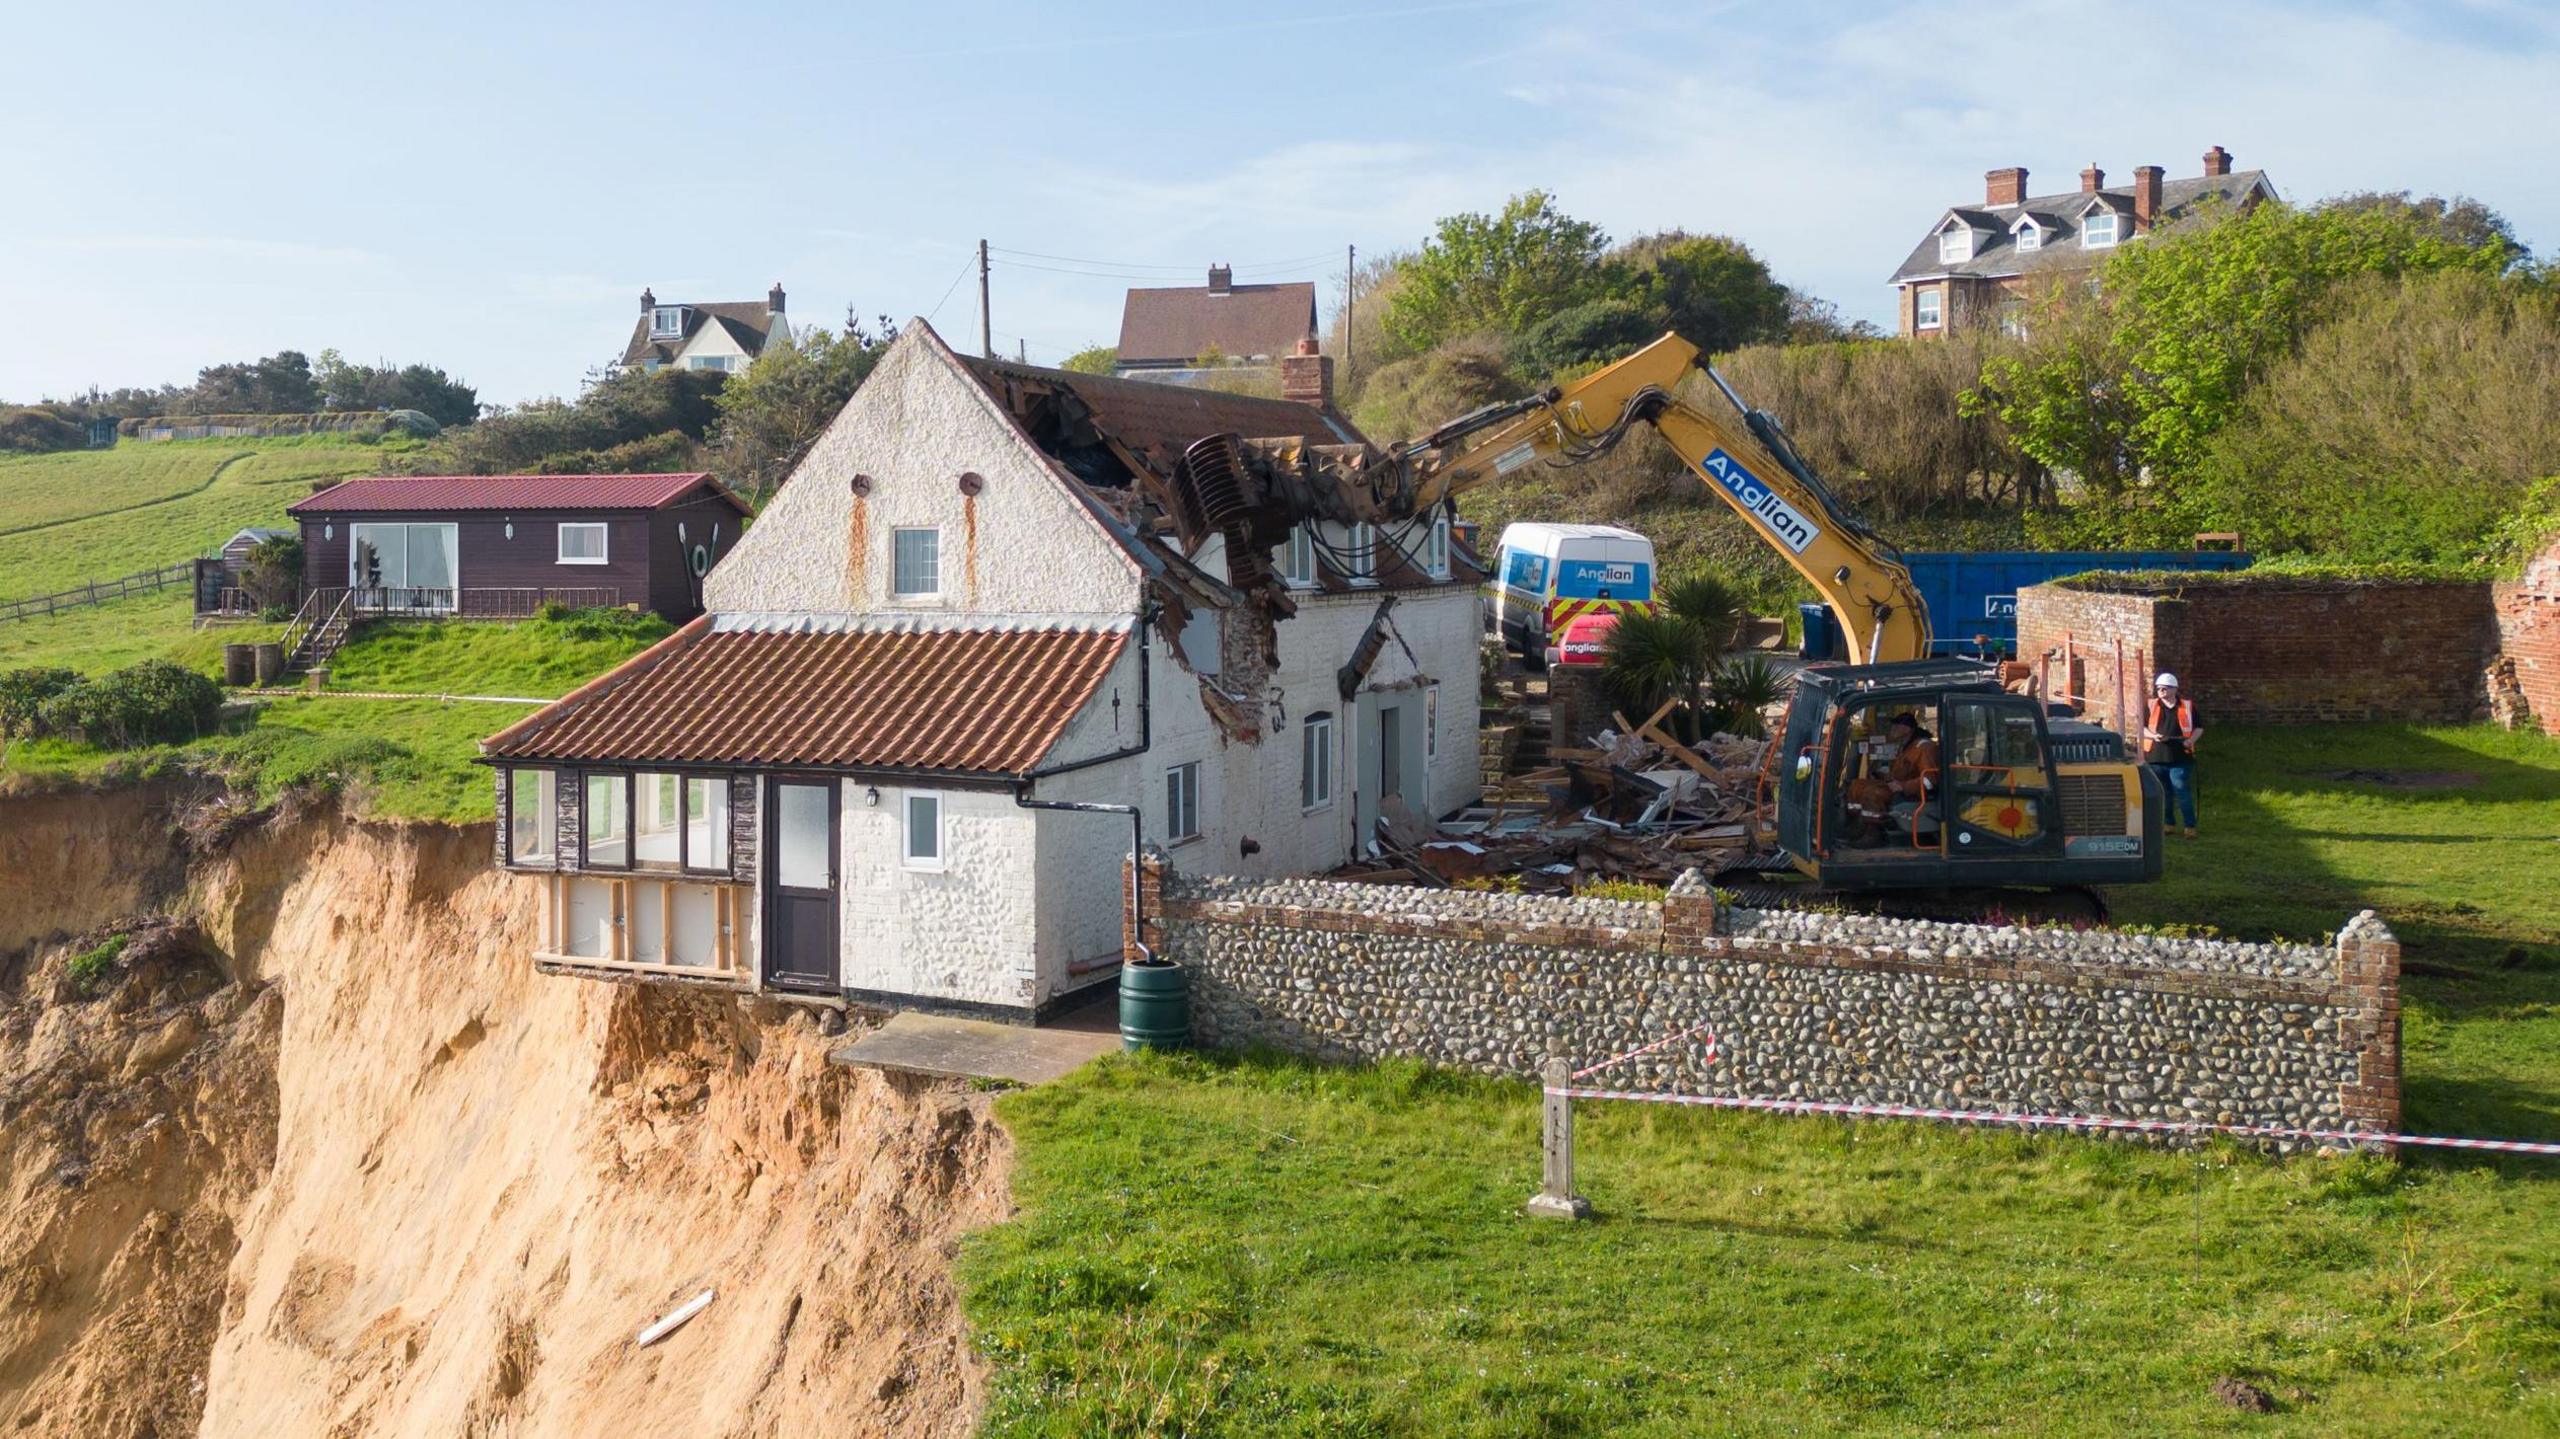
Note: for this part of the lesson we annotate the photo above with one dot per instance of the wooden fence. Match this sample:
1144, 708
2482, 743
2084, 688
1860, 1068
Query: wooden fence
98, 592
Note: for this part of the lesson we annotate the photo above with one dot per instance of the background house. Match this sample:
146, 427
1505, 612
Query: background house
504, 544
704, 335
1978, 261
966, 606
1164, 332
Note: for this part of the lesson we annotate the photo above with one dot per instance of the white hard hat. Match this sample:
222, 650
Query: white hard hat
2165, 681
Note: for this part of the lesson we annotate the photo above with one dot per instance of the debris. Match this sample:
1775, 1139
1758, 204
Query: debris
2242, 1395
674, 1320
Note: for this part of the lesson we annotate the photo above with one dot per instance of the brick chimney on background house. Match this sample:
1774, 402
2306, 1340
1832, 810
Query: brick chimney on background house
2005, 187
773, 299
2146, 197
1307, 377
2093, 179
648, 301
1221, 279
2217, 161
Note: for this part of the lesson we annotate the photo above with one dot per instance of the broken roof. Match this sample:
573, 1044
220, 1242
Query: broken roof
748, 322
516, 492
1174, 327
1158, 420
784, 692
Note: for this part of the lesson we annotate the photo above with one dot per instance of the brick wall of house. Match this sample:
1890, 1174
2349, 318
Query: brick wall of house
1832, 1008
2528, 618
2274, 652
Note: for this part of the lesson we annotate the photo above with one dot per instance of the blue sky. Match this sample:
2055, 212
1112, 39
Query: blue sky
487, 187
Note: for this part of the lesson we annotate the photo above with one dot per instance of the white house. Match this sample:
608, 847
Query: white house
704, 335
968, 605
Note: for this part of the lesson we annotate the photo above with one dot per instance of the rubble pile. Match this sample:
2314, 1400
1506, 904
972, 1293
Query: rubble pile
1634, 805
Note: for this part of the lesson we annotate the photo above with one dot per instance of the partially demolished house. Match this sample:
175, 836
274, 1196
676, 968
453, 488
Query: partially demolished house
984, 638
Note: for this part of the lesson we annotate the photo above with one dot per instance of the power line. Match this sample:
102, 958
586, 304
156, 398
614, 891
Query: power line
951, 289
1282, 264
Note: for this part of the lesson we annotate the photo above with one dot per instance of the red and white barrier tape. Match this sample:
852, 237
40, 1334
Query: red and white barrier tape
2059, 1121
1707, 1057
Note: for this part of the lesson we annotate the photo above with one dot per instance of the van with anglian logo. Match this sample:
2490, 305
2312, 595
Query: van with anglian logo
1545, 576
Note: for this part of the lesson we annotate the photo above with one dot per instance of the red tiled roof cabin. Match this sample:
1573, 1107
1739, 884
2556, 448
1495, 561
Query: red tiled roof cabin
500, 546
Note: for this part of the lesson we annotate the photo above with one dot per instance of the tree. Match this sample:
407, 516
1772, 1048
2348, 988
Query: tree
424, 388
1711, 289
623, 407
774, 410
280, 384
1585, 334
1497, 272
1092, 360
1416, 394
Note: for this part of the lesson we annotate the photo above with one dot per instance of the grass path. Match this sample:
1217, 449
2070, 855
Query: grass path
208, 482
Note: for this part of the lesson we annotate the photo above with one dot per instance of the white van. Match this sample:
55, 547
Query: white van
1545, 576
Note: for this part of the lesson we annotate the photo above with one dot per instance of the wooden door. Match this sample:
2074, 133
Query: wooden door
801, 869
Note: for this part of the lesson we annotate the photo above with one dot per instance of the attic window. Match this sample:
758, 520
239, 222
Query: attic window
2097, 229
2030, 235
1955, 245
1298, 565
1435, 547
1361, 561
666, 320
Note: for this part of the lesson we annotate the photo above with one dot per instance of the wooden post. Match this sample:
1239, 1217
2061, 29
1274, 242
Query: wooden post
1555, 1198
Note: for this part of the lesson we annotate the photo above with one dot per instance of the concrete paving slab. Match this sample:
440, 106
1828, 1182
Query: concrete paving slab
948, 1048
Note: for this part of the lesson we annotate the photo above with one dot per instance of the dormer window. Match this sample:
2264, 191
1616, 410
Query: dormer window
2030, 235
1955, 244
666, 321
2098, 229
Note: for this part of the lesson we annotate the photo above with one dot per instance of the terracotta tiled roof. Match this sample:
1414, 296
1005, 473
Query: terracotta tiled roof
1176, 326
965, 701
513, 492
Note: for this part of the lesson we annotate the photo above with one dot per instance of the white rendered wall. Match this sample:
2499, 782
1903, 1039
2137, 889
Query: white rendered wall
965, 932
1023, 546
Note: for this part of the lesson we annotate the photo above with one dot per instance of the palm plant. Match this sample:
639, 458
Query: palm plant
1745, 685
1708, 603
1653, 656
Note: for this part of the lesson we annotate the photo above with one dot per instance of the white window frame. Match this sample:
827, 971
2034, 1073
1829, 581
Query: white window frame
1182, 803
1361, 545
895, 580
546, 798
2029, 235
907, 856
604, 543
1435, 547
706, 362
1298, 559
2089, 233
1430, 723
1315, 763
666, 321
1928, 308
1955, 244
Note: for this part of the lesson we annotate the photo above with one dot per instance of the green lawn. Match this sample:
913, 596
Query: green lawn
1216, 1247
119, 533
403, 759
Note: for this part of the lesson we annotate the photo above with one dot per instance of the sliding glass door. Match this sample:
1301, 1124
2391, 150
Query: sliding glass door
403, 567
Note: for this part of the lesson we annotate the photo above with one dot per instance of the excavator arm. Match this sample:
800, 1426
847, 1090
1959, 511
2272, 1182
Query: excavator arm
1741, 455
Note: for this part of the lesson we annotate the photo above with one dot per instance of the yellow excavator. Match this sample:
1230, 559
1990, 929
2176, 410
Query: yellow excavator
2021, 798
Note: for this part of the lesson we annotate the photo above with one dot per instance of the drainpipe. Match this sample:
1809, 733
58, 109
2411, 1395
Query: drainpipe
1137, 816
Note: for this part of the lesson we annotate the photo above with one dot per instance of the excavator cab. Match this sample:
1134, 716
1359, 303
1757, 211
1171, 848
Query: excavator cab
2005, 794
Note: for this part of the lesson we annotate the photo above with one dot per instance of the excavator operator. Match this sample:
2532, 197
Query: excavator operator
1913, 778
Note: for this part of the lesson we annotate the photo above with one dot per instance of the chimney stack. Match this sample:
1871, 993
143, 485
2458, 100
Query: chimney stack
1306, 377
648, 301
2093, 179
2005, 187
773, 298
2146, 197
2217, 161
1221, 279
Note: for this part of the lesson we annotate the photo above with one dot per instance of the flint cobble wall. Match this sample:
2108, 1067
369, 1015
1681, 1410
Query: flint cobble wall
1817, 1007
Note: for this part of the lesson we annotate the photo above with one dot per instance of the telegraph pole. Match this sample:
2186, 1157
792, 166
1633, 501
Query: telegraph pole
1350, 277
986, 331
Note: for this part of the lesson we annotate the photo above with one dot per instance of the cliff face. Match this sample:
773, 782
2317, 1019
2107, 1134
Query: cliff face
388, 1180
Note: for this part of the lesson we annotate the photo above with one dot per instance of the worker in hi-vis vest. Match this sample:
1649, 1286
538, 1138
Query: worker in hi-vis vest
2169, 734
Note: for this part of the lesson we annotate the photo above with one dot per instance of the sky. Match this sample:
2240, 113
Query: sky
488, 187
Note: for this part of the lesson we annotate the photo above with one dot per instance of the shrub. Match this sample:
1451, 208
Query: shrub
90, 967
154, 702
1622, 889
23, 693
30, 431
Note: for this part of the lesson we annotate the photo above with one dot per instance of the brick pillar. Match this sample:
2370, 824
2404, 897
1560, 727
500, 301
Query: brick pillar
1151, 897
1689, 912
2369, 969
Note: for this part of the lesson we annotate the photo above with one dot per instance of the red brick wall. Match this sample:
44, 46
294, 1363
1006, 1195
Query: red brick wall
2278, 652
2529, 634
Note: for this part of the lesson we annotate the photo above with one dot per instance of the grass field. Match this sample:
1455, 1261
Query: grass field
103, 514
399, 759
1262, 1248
